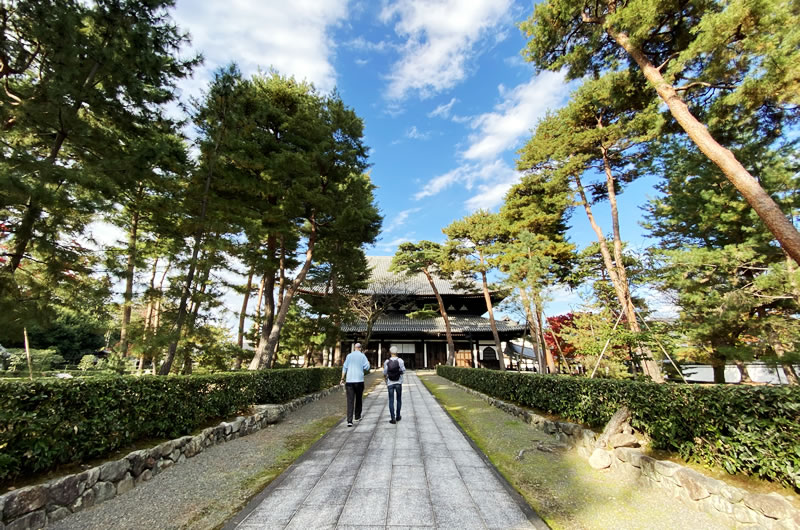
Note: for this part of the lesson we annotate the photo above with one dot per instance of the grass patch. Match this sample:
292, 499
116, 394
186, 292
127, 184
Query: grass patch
560, 486
295, 445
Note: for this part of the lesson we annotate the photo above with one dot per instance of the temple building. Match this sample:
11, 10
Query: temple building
422, 342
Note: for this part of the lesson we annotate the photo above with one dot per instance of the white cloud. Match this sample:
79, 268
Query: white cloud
443, 110
293, 37
441, 37
399, 219
492, 193
416, 134
515, 116
496, 172
390, 246
361, 62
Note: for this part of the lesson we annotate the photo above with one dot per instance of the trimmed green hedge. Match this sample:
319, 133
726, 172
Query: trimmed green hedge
752, 430
51, 422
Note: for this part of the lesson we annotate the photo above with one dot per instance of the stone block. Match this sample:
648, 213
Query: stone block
567, 428
588, 438
32, 521
614, 426
600, 459
744, 515
137, 461
125, 485
237, 424
90, 477
549, 427
665, 468
57, 514
772, 505
166, 448
175, 455
163, 464
114, 471
104, 491
86, 500
721, 505
623, 440
24, 501
694, 483
792, 523
64, 491
648, 466
146, 475
180, 442
731, 494
194, 447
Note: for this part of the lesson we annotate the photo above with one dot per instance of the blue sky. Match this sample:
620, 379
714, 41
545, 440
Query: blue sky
444, 92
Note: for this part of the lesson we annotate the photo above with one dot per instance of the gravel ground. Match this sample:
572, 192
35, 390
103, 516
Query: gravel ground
561, 486
208, 489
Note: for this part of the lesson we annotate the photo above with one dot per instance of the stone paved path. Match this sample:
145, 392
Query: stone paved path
420, 473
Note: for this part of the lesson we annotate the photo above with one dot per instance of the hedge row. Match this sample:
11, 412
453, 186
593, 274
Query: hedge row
51, 422
751, 430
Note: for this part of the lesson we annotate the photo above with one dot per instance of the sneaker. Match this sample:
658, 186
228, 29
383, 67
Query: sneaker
358, 419
392, 421
349, 423
399, 418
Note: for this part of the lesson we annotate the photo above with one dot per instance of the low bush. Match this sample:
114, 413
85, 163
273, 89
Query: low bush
751, 430
41, 360
44, 423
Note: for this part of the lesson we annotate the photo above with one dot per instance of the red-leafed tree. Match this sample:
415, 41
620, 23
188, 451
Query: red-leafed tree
553, 335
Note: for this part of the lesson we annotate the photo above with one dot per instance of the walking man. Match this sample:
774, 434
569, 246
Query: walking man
353, 370
393, 370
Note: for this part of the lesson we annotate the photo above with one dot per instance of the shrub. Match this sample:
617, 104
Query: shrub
44, 423
752, 430
41, 360
88, 362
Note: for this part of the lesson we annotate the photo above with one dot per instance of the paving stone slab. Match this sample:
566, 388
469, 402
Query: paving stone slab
419, 473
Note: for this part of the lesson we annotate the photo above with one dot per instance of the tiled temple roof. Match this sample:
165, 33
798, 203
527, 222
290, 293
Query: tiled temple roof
398, 323
385, 282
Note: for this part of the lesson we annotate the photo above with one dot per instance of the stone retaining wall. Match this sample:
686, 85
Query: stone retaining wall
738, 507
36, 506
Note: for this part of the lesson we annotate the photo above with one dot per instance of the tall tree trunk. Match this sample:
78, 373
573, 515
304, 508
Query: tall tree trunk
492, 323
451, 347
766, 208
551, 361
257, 320
651, 367
267, 292
149, 310
280, 317
187, 287
535, 322
621, 290
129, 275
243, 312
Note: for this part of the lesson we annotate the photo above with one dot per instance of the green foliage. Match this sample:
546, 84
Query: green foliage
751, 430
47, 423
88, 362
41, 360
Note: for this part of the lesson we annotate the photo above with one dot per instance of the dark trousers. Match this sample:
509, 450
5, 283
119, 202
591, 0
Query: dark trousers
355, 392
395, 389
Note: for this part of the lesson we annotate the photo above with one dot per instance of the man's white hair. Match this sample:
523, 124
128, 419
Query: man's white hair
357, 346
393, 349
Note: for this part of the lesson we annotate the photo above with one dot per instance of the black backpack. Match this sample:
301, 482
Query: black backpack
393, 370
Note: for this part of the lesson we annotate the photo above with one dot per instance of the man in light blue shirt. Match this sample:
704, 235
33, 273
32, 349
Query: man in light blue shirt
353, 369
393, 370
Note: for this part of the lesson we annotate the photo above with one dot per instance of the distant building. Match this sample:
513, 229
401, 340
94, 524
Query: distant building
422, 343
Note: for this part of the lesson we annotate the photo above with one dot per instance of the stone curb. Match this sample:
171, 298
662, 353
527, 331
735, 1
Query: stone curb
736, 506
35, 507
